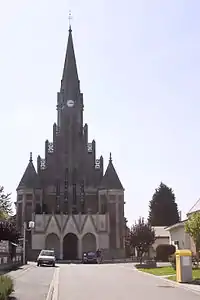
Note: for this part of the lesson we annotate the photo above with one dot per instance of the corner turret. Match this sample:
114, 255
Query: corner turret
110, 180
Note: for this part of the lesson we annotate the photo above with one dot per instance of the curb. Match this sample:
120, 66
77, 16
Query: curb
53, 289
172, 283
27, 268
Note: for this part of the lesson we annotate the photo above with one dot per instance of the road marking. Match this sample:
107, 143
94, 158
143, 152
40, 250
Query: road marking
56, 284
53, 289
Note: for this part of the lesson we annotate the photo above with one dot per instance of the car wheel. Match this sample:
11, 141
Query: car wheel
53, 265
38, 264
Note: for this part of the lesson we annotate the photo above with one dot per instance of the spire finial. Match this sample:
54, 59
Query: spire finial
31, 157
70, 18
110, 159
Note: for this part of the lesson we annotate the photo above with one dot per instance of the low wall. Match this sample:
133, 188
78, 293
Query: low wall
118, 261
113, 254
6, 263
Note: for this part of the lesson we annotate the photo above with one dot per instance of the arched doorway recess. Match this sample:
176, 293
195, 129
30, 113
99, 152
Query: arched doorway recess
89, 242
70, 247
53, 243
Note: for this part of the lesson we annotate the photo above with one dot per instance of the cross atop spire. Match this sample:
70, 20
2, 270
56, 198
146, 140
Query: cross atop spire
70, 18
31, 157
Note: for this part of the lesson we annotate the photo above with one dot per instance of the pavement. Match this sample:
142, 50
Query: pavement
106, 281
32, 282
116, 282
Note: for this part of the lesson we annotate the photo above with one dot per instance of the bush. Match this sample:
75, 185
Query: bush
6, 287
164, 251
172, 260
195, 260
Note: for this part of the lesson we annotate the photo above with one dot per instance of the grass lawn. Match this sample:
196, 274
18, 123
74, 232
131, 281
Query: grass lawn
160, 271
195, 275
166, 271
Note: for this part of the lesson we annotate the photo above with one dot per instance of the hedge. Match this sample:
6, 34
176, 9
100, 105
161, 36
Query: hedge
6, 287
164, 251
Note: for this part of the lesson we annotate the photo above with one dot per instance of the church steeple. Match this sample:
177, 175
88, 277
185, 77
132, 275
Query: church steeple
70, 80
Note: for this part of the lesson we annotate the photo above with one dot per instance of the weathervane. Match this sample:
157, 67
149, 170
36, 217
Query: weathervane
70, 18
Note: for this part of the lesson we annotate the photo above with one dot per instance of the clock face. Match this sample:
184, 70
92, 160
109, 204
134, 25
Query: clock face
70, 103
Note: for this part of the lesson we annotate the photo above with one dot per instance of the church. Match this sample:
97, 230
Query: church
75, 205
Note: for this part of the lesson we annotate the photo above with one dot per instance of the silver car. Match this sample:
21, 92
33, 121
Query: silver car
46, 257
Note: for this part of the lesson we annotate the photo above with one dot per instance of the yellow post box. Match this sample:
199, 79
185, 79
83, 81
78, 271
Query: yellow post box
183, 266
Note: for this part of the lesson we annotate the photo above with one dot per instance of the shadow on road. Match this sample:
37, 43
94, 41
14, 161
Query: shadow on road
46, 266
195, 282
4, 272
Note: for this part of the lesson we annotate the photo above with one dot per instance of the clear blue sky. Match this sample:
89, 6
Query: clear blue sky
139, 66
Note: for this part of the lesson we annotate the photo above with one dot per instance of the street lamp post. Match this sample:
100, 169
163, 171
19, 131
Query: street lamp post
31, 226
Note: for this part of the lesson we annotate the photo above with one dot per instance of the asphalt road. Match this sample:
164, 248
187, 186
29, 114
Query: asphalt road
115, 282
32, 282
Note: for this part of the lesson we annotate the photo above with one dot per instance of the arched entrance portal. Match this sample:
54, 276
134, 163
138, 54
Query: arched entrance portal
89, 242
53, 242
70, 247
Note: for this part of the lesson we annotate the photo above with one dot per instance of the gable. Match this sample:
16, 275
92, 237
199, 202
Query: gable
71, 226
52, 226
89, 225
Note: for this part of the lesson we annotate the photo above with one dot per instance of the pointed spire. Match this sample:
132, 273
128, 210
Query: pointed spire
30, 177
70, 80
110, 179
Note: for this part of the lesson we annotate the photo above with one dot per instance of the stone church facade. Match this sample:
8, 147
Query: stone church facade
76, 207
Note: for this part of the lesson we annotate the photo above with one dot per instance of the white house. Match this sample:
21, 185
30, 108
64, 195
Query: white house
177, 233
178, 236
162, 238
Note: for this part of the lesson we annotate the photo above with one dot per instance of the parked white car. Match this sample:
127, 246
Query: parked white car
46, 257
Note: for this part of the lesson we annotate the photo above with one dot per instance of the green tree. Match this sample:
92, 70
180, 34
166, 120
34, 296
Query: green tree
5, 204
128, 248
192, 227
8, 232
163, 210
13, 219
141, 237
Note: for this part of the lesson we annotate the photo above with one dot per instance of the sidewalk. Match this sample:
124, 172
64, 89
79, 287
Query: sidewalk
19, 271
15, 272
31, 282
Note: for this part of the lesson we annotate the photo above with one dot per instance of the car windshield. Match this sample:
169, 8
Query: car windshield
91, 254
47, 253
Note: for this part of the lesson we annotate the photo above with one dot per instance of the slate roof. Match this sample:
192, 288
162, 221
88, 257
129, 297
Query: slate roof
110, 179
30, 177
195, 207
180, 224
70, 80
